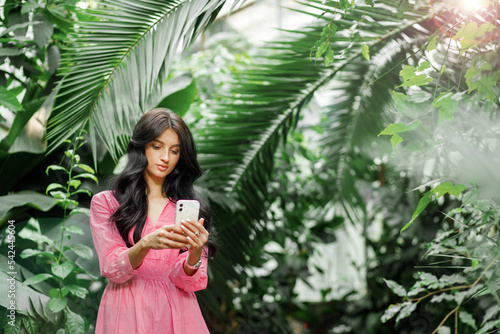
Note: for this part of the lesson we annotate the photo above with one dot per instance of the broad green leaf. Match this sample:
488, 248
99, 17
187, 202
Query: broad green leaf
470, 34
422, 204
410, 78
448, 187
365, 51
9, 100
30, 324
8, 52
26, 198
82, 251
37, 279
469, 75
467, 319
395, 288
29, 232
62, 270
447, 103
57, 304
28, 7
75, 324
181, 92
43, 31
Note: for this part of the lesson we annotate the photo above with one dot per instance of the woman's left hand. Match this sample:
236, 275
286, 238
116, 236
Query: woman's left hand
197, 237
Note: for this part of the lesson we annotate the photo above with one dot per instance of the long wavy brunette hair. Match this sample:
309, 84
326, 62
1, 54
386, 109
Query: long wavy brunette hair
130, 188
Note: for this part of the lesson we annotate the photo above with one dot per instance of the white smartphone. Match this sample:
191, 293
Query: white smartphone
186, 209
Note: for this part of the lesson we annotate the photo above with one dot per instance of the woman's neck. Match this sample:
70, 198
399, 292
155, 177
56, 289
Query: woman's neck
155, 187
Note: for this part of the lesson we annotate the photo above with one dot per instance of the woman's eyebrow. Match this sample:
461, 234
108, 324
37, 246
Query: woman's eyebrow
159, 141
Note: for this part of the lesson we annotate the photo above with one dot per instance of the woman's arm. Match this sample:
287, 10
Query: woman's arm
169, 236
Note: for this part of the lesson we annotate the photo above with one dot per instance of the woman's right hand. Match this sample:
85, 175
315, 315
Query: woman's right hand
168, 236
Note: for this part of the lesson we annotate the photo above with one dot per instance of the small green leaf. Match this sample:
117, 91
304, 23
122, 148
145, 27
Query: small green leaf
82, 191
56, 168
37, 279
422, 204
448, 187
74, 183
84, 211
406, 311
424, 65
86, 168
32, 252
87, 176
474, 263
53, 186
396, 288
317, 128
59, 195
391, 311
328, 56
400, 128
78, 291
467, 319
62, 270
432, 43
57, 304
365, 51
82, 251
395, 140
56, 293
74, 230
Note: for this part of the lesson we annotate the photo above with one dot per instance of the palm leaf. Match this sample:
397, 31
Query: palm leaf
115, 68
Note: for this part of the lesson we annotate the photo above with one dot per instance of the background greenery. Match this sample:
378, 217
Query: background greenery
292, 138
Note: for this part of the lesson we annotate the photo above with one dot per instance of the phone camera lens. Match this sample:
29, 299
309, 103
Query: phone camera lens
180, 209
182, 205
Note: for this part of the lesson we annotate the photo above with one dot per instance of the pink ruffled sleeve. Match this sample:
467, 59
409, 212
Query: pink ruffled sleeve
110, 247
189, 283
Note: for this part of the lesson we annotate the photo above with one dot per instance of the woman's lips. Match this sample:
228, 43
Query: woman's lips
162, 167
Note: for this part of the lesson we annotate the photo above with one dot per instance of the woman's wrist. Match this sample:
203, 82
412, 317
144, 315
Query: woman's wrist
192, 259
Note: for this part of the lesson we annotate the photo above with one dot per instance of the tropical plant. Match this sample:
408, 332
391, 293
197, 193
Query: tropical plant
52, 254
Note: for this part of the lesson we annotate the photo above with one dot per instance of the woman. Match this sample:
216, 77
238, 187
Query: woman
153, 266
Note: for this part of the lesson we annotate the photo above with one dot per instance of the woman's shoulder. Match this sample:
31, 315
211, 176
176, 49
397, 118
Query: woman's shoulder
106, 198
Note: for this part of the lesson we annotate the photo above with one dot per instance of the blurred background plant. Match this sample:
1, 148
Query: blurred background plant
310, 202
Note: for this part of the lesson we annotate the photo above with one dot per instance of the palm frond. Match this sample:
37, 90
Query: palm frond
115, 69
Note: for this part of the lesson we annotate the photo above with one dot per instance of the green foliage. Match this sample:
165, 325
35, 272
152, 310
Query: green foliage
469, 235
59, 268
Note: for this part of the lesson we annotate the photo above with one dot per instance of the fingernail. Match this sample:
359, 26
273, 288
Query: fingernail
189, 220
183, 221
188, 237
182, 226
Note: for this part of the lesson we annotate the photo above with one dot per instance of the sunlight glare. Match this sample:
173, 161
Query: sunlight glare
472, 5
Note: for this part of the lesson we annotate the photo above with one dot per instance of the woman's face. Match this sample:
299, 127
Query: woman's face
163, 153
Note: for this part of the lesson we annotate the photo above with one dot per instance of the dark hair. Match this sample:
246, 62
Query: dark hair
130, 188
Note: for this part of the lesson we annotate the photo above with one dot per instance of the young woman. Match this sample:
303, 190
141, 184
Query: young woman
153, 267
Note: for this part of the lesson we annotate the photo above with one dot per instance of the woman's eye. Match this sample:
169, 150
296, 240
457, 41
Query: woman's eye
156, 147
174, 152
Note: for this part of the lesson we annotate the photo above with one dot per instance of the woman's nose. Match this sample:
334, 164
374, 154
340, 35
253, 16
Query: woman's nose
164, 156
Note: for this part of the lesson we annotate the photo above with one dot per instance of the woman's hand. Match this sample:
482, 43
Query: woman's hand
197, 237
168, 236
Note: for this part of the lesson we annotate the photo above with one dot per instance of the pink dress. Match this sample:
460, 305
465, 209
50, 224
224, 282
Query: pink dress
158, 297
